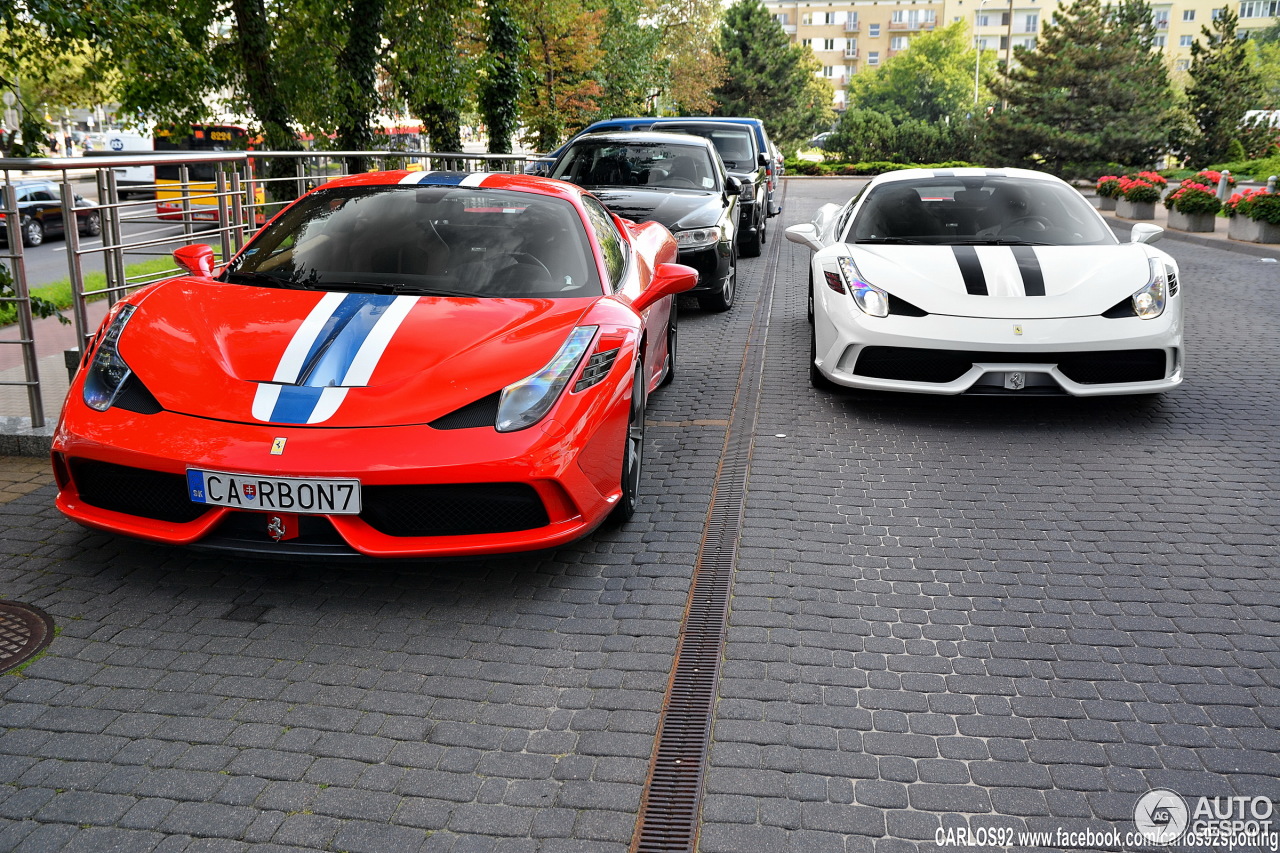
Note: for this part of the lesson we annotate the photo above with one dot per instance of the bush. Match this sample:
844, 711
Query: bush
1259, 205
1211, 178
1192, 198
1108, 186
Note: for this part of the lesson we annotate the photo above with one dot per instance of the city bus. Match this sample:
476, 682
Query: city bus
201, 176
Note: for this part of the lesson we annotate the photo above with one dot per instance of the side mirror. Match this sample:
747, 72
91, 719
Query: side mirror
196, 259
763, 160
1145, 232
805, 235
732, 186
668, 280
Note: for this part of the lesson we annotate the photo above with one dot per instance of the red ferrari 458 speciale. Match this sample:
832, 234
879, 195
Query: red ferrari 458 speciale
399, 364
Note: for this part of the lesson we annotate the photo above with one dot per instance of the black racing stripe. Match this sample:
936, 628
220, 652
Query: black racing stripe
975, 281
1029, 266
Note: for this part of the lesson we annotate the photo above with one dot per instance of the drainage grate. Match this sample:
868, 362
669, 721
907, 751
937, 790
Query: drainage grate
668, 820
24, 632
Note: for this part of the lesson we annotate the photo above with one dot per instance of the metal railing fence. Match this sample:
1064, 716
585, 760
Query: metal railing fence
247, 189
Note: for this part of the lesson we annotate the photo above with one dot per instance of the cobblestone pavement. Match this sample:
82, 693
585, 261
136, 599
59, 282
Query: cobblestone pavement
947, 613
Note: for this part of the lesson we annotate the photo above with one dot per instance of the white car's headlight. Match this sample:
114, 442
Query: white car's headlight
872, 300
526, 402
108, 371
1148, 303
696, 238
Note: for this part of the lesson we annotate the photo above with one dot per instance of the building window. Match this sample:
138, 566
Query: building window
806, 42
1188, 14
1182, 64
873, 30
1161, 19
1159, 41
1215, 14
873, 58
984, 21
898, 43
1185, 41
806, 20
828, 44
1028, 43
782, 18
1032, 23
828, 18
828, 71
1258, 9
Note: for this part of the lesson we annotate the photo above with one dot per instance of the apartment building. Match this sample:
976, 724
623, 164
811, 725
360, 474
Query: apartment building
851, 36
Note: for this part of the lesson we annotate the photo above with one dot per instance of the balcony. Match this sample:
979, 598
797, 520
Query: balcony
852, 26
789, 29
912, 26
850, 53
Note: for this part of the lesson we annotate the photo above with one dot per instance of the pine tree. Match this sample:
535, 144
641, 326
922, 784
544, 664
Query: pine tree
769, 78
1224, 84
1091, 92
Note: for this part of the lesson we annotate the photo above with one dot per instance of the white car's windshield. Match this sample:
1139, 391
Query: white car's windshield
434, 240
977, 211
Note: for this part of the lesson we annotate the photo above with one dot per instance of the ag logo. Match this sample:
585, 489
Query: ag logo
1161, 816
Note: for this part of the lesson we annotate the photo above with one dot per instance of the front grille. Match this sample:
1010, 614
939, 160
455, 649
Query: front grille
905, 364
135, 491
453, 510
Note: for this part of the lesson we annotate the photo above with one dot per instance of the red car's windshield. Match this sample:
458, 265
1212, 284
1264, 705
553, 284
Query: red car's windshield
458, 241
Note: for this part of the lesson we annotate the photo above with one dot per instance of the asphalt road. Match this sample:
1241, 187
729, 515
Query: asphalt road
979, 613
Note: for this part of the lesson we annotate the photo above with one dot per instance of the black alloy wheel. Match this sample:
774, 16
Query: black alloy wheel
723, 300
32, 232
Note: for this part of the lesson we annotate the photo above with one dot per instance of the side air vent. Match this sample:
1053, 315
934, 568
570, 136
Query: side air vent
598, 367
481, 413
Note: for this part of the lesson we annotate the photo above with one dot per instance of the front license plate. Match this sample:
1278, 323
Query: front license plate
304, 495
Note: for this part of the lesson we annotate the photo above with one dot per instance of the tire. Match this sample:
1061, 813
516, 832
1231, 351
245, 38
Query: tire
32, 232
91, 225
673, 336
749, 245
816, 377
632, 453
723, 300
810, 308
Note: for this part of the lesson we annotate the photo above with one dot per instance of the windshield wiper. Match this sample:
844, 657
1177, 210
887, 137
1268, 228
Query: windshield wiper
893, 241
393, 287
998, 241
265, 279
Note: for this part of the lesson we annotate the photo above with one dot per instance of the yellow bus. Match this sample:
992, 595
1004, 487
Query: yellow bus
201, 186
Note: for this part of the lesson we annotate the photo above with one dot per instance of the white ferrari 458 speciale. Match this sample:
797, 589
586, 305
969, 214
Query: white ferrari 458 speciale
987, 281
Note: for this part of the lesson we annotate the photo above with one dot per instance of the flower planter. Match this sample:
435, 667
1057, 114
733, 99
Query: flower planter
1126, 209
1104, 203
1198, 222
1252, 230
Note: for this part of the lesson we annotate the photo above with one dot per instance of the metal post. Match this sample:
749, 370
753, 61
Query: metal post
224, 222
1224, 185
184, 182
1271, 184
237, 213
22, 297
113, 256
71, 232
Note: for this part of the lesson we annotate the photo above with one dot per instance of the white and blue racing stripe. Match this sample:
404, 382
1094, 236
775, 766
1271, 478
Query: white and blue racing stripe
447, 179
335, 348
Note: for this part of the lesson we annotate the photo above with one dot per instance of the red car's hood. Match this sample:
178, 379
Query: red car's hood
254, 355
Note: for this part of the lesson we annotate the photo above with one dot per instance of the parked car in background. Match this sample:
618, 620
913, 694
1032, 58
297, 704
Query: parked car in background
674, 179
763, 143
400, 364
40, 213
542, 165
968, 281
737, 148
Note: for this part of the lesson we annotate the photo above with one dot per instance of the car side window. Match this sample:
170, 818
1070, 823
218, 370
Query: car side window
611, 242
41, 195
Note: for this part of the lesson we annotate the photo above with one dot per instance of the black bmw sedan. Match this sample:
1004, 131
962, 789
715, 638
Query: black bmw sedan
675, 179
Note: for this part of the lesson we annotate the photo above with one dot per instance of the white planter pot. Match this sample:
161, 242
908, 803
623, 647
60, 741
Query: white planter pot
1126, 209
1200, 223
1104, 203
1252, 230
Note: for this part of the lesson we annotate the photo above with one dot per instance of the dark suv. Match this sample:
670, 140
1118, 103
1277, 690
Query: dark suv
40, 213
737, 148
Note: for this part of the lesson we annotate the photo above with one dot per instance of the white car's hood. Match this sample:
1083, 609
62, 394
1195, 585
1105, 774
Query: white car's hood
1006, 282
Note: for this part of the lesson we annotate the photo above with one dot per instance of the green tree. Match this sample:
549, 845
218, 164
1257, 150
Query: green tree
1092, 91
931, 81
563, 38
1224, 85
433, 59
768, 77
503, 80
630, 63
692, 67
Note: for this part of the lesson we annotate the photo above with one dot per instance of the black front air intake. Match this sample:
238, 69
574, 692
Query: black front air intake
907, 364
135, 491
453, 510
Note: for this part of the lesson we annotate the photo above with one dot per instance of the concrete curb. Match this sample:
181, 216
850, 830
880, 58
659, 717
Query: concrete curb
18, 438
